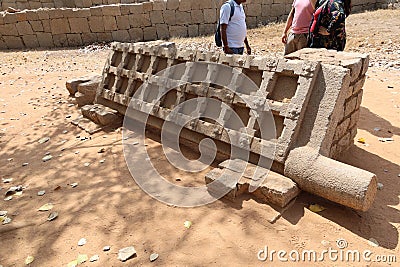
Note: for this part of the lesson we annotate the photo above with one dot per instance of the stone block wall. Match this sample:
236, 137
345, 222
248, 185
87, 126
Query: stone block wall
351, 95
126, 22
36, 4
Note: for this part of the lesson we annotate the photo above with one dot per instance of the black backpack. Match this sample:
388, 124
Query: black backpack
218, 38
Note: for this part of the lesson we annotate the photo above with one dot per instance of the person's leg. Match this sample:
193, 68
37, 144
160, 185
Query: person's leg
290, 45
301, 41
237, 50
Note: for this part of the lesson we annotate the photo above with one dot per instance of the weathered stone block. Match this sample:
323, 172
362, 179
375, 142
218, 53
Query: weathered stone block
169, 17
8, 30
125, 9
88, 38
173, 4
74, 39
31, 15
13, 42
104, 36
79, 25
193, 30
149, 33
96, 11
197, 16
206, 29
56, 14
10, 18
45, 39
43, 14
210, 15
185, 5
136, 34
21, 16
96, 24
101, 114
147, 6
30, 41
59, 26
123, 22
136, 9
178, 31
37, 26
121, 36
46, 26
110, 23
159, 5
111, 10
156, 17
162, 31
60, 40
183, 18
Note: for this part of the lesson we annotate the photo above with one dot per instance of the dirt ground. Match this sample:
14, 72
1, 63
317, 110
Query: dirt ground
108, 208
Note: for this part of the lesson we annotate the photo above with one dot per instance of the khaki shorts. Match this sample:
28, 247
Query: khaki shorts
295, 42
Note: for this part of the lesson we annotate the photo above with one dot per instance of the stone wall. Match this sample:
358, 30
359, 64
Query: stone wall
36, 4
61, 27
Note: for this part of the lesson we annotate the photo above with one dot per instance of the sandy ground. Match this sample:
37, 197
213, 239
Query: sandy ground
108, 208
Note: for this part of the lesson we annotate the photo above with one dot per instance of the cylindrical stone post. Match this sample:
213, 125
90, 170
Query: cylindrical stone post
330, 179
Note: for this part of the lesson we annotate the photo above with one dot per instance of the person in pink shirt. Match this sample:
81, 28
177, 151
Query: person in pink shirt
298, 22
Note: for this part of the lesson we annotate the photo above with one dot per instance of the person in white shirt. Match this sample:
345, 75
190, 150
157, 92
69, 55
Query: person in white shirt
234, 30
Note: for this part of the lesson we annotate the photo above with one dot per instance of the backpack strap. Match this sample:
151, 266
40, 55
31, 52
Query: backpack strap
232, 4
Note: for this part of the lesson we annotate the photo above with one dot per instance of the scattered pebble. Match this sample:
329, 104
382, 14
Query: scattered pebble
82, 242
373, 242
101, 150
386, 140
126, 253
8, 198
178, 179
47, 158
65, 131
380, 186
52, 216
94, 258
6, 220
135, 143
43, 140
87, 164
187, 224
377, 129
73, 185
41, 193
102, 161
10, 159
106, 248
25, 164
7, 180
153, 257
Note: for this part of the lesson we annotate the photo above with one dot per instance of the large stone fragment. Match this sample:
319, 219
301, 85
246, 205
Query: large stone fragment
274, 189
82, 99
87, 125
101, 115
89, 87
72, 85
333, 180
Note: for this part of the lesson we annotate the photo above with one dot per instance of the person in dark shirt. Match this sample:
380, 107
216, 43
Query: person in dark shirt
328, 29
